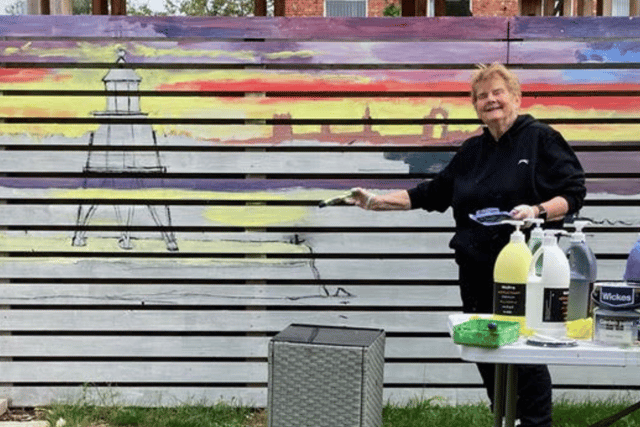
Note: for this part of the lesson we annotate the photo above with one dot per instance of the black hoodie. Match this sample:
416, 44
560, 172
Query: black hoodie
530, 164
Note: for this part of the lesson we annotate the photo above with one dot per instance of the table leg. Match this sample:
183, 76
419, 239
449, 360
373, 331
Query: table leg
498, 394
511, 391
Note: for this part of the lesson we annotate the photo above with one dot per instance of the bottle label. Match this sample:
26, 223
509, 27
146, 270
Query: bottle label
509, 298
616, 329
555, 304
618, 297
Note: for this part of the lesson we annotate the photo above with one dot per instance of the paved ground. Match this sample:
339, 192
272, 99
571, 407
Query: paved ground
21, 417
24, 424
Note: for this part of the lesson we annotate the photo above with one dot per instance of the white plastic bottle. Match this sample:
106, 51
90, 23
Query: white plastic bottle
510, 276
548, 291
584, 270
535, 239
537, 234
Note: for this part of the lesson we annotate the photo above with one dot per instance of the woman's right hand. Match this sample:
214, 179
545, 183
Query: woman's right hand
360, 197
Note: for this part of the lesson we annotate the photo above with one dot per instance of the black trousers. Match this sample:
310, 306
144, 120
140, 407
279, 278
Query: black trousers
533, 405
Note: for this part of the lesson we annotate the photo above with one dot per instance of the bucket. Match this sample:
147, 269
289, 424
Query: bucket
619, 328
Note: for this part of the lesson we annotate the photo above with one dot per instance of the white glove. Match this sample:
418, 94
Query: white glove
361, 197
521, 212
356, 196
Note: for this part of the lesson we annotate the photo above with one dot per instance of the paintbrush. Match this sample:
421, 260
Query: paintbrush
338, 200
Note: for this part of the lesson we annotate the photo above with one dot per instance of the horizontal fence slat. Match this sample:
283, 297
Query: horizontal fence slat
218, 321
256, 254
190, 347
134, 372
276, 230
257, 396
600, 91
610, 147
210, 373
93, 180
259, 202
191, 121
219, 295
29, 396
250, 269
392, 164
283, 233
233, 66
563, 28
138, 27
249, 396
255, 269
193, 373
293, 255
573, 55
276, 53
433, 269
226, 281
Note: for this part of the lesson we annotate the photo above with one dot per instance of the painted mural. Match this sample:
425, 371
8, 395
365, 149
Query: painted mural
241, 84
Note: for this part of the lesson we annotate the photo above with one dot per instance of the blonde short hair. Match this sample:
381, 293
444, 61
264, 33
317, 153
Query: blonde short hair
485, 72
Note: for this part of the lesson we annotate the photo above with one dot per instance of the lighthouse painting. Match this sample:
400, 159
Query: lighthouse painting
105, 160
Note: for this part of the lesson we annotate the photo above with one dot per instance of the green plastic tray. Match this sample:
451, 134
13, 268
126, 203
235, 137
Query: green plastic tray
486, 332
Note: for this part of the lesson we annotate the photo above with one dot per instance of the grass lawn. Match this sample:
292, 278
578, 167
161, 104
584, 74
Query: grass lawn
416, 414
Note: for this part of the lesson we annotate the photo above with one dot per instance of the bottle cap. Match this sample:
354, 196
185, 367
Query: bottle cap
550, 237
578, 235
536, 221
537, 230
517, 236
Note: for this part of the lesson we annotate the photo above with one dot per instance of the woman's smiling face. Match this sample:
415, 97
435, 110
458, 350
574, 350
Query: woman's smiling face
495, 104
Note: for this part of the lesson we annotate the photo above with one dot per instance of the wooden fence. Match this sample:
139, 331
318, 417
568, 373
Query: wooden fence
160, 177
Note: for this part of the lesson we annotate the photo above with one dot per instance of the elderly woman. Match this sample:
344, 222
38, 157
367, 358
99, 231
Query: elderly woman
518, 165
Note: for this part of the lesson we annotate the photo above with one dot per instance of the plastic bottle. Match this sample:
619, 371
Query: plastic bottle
584, 270
547, 292
632, 271
537, 234
535, 239
510, 276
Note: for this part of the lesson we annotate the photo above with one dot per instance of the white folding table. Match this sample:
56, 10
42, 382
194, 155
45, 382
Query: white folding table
519, 353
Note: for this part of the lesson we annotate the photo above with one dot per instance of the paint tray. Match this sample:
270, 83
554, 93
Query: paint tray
486, 332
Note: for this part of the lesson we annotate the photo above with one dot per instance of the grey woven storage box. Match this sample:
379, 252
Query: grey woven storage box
325, 376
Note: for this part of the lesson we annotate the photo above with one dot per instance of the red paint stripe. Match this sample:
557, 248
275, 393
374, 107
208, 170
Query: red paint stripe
258, 85
580, 87
18, 75
590, 103
578, 103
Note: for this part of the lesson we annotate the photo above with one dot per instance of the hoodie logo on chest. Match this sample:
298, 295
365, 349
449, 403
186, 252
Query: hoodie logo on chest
523, 162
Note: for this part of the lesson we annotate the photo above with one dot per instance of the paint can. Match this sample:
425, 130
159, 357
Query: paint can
619, 327
616, 295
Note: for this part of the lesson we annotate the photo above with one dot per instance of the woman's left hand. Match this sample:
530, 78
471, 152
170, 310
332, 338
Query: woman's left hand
521, 212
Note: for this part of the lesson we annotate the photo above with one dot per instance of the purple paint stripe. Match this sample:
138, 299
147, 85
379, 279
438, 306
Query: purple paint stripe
610, 186
357, 29
204, 184
523, 27
443, 28
271, 52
